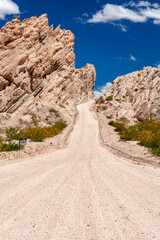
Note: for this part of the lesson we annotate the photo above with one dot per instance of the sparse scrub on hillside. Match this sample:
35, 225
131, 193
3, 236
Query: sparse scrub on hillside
8, 146
97, 101
56, 113
147, 134
61, 69
36, 120
109, 98
13, 133
62, 106
109, 117
123, 119
104, 107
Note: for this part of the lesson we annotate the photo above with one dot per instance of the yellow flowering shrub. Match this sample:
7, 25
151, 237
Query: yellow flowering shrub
147, 134
38, 134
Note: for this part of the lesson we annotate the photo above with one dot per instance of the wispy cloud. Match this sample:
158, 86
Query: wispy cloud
136, 12
132, 58
122, 27
157, 65
101, 90
8, 7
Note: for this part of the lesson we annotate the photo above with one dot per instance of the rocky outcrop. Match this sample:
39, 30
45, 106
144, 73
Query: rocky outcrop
37, 67
135, 96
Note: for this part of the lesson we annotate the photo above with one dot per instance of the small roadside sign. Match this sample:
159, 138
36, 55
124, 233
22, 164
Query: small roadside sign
22, 141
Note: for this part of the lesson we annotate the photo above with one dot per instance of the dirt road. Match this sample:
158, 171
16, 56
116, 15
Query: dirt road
82, 192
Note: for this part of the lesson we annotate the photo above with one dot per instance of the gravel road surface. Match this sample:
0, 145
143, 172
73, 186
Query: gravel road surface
82, 192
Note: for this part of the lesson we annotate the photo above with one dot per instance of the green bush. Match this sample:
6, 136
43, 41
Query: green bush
12, 147
97, 101
62, 106
123, 119
104, 107
109, 117
108, 99
111, 123
13, 133
36, 120
52, 110
8, 146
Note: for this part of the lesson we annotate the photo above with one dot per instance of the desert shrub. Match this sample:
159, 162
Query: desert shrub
147, 134
60, 125
38, 134
52, 110
142, 88
61, 69
118, 100
36, 120
8, 146
109, 98
62, 106
138, 74
11, 147
104, 107
2, 147
111, 123
97, 101
109, 117
13, 133
35, 134
119, 127
123, 119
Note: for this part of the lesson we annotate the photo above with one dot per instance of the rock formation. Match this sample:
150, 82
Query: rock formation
135, 96
37, 68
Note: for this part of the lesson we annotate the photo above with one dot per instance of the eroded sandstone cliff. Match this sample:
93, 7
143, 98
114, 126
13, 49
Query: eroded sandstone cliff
37, 68
135, 96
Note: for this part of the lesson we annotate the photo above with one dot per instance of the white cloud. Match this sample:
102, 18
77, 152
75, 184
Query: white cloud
139, 12
132, 58
157, 22
111, 12
157, 65
8, 7
101, 90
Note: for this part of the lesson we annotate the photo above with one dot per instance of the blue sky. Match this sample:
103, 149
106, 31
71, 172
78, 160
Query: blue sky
118, 37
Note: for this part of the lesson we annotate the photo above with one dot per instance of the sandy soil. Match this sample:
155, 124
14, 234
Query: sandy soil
81, 192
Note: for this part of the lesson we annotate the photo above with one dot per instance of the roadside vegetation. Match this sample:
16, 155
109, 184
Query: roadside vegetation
147, 134
7, 146
35, 134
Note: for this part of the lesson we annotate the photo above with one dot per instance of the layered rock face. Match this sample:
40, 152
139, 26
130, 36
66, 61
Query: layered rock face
37, 67
135, 96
